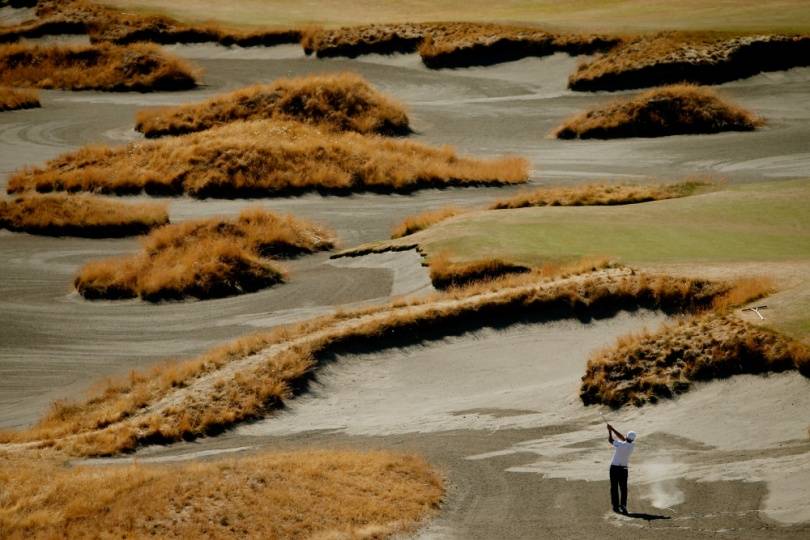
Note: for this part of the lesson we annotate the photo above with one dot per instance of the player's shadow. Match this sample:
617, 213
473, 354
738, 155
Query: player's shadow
646, 517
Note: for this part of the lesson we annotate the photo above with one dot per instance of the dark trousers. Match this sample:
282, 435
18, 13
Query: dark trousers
618, 482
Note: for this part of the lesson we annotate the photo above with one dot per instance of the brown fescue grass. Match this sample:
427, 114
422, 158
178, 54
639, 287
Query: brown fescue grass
701, 58
599, 195
450, 44
106, 24
249, 377
353, 41
643, 368
342, 102
12, 99
41, 27
466, 44
205, 258
297, 495
80, 215
445, 273
138, 67
671, 110
419, 222
266, 158
744, 290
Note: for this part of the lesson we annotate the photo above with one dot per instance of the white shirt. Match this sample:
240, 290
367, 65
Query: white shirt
621, 454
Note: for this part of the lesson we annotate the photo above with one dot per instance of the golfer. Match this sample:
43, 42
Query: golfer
623, 447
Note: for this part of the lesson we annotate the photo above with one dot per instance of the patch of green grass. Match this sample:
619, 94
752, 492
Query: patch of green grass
763, 222
752, 223
607, 15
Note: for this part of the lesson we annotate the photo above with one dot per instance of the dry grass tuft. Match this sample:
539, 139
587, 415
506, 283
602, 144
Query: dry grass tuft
266, 158
599, 195
138, 67
343, 102
450, 44
701, 58
418, 222
672, 110
305, 494
12, 99
251, 376
205, 259
744, 290
645, 367
105, 24
80, 215
445, 273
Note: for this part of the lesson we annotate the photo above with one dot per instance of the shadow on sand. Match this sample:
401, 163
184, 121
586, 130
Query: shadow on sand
645, 517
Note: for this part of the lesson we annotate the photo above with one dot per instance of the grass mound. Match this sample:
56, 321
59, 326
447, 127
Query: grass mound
453, 44
464, 45
204, 259
646, 367
598, 195
105, 24
418, 222
41, 27
80, 215
266, 495
445, 273
12, 99
343, 102
353, 41
138, 67
266, 158
702, 58
671, 110
250, 376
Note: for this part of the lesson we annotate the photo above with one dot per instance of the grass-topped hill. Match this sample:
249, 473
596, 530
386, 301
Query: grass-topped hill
80, 215
106, 24
450, 44
647, 367
446, 273
12, 99
702, 58
672, 110
466, 44
138, 67
266, 158
343, 102
205, 258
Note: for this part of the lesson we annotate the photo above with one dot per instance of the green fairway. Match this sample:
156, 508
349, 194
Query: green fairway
762, 228
763, 222
607, 15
